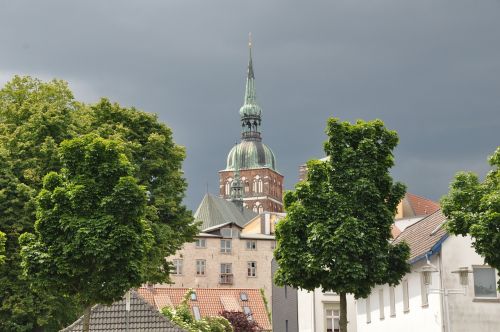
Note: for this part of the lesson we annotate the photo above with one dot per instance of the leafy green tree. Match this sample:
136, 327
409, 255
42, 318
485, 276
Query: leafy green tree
183, 317
35, 117
336, 234
158, 161
3, 239
473, 208
91, 240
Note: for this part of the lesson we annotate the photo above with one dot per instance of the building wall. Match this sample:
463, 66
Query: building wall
238, 258
312, 308
418, 318
284, 307
467, 313
270, 198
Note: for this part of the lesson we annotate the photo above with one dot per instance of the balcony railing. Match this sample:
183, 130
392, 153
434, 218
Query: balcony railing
226, 279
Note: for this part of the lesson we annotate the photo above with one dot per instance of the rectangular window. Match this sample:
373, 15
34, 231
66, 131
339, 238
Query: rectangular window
225, 246
392, 301
201, 265
332, 320
484, 282
406, 296
251, 245
423, 292
226, 274
368, 310
177, 268
381, 303
252, 269
201, 243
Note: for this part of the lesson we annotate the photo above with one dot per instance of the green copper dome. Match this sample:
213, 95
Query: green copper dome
250, 154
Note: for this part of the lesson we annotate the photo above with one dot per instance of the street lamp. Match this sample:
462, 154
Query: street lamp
463, 276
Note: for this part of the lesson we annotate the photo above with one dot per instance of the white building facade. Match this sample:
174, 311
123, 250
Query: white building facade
445, 305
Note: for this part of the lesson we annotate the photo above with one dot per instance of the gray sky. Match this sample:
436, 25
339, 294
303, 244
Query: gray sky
429, 69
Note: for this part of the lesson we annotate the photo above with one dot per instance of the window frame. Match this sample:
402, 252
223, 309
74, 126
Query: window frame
381, 306
392, 301
201, 267
251, 247
368, 309
178, 264
252, 269
406, 295
225, 249
495, 280
424, 296
335, 316
198, 241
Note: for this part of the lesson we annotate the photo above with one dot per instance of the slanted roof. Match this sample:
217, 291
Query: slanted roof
214, 211
142, 317
425, 236
421, 205
211, 301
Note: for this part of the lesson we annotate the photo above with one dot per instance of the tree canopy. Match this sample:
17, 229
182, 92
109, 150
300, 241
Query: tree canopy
3, 239
91, 240
472, 208
35, 117
336, 234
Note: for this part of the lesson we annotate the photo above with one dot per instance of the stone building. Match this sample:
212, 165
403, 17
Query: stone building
233, 250
251, 162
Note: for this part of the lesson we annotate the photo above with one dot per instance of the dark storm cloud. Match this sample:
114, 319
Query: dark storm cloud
429, 69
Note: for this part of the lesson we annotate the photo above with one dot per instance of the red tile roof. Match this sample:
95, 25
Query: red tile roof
421, 205
211, 301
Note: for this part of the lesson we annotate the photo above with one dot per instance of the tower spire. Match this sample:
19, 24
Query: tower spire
250, 112
250, 74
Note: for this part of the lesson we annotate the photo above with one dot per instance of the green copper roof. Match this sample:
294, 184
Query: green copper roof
250, 154
214, 211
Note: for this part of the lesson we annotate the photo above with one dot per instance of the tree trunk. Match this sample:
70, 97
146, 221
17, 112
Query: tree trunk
343, 312
86, 319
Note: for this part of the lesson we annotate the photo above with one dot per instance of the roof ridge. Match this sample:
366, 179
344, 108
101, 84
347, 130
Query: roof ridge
424, 218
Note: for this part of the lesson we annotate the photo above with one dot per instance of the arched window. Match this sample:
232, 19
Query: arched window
257, 184
261, 209
228, 186
257, 207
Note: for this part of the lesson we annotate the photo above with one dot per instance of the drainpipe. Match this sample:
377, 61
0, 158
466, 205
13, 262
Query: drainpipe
445, 318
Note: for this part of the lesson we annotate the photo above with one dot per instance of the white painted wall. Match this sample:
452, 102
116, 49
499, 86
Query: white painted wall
418, 318
467, 313
312, 306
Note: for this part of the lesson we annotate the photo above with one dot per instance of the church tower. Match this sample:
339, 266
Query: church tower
251, 165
